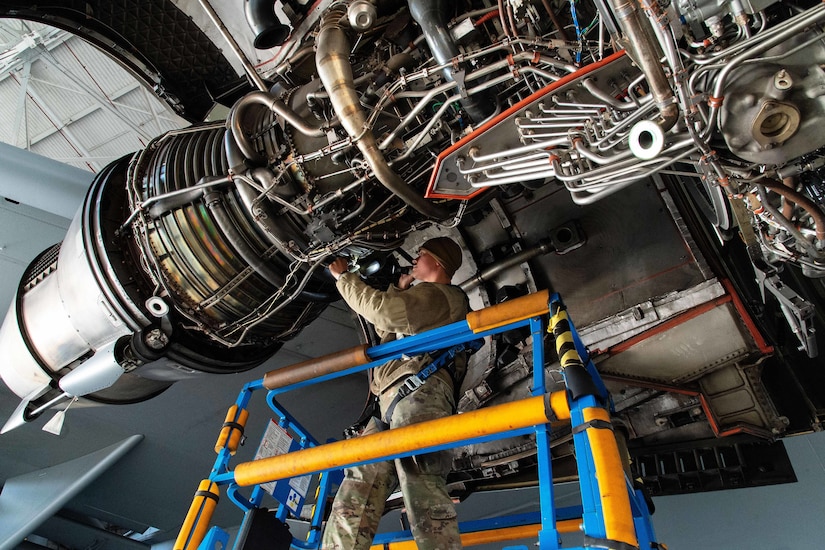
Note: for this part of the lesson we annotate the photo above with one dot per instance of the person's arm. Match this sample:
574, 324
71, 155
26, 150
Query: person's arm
338, 267
388, 311
405, 281
402, 309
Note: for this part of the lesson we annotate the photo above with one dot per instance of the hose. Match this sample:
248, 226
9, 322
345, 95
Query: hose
335, 72
801, 200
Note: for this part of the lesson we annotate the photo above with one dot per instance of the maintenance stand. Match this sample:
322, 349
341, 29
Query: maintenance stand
612, 515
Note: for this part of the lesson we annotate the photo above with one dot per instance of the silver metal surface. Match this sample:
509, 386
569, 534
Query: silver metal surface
763, 122
686, 351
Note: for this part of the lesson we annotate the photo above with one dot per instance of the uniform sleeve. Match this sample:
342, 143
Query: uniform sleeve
402, 311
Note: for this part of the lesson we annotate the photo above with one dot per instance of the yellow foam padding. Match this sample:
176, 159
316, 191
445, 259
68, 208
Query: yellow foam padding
571, 355
560, 405
443, 431
555, 319
197, 520
313, 368
230, 436
492, 536
559, 316
613, 492
508, 312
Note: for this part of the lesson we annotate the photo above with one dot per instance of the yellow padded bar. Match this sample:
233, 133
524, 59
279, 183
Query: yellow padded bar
618, 517
232, 430
478, 423
197, 520
319, 366
491, 536
508, 312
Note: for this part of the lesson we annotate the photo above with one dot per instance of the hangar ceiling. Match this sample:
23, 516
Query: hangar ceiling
64, 99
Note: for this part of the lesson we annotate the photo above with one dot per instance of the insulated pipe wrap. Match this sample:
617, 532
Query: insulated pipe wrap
508, 312
313, 368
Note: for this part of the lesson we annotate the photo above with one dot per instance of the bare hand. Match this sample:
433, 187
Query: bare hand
338, 267
405, 280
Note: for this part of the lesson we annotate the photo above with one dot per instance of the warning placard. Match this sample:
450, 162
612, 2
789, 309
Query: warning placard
290, 492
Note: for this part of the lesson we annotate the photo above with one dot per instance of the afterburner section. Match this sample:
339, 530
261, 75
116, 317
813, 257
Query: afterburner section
198, 241
166, 273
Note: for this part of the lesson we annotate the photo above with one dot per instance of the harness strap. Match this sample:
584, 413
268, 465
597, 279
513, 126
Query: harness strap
445, 360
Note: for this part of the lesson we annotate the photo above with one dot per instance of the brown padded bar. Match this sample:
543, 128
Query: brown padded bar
510, 311
313, 368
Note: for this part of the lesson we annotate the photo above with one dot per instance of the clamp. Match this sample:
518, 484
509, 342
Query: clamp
797, 311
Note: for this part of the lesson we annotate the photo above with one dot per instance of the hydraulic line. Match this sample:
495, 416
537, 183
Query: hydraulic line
335, 71
801, 200
647, 55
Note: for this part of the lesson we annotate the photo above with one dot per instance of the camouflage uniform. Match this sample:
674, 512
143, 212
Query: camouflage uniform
359, 503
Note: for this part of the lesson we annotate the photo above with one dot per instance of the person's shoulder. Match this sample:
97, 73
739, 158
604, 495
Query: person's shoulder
442, 288
425, 285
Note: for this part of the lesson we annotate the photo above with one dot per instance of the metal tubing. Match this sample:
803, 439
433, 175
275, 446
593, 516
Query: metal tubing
495, 269
786, 224
273, 104
518, 150
431, 17
233, 45
427, 96
801, 200
335, 72
590, 85
408, 439
555, 19
647, 55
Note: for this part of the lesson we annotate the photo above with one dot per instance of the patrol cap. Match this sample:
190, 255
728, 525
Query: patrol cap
446, 252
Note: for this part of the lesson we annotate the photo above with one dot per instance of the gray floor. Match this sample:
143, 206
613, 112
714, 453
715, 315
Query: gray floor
779, 517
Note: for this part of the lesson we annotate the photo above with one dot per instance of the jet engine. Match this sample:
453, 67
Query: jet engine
376, 120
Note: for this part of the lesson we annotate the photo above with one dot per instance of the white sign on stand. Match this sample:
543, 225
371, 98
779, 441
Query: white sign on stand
290, 492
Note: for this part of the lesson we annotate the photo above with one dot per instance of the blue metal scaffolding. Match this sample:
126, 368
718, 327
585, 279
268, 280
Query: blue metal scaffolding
612, 514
